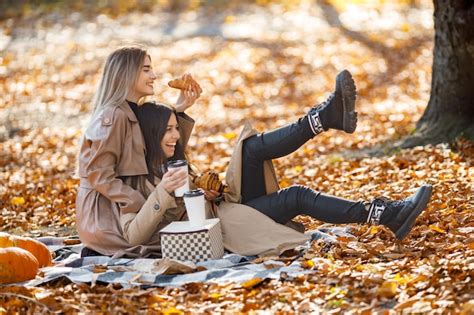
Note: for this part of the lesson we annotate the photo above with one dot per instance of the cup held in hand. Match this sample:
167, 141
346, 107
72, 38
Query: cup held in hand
180, 164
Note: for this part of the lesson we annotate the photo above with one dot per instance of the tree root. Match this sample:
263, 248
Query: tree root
445, 131
442, 131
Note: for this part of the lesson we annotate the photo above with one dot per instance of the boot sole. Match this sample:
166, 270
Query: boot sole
420, 199
348, 90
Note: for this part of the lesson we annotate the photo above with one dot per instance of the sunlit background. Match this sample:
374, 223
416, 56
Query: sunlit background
263, 62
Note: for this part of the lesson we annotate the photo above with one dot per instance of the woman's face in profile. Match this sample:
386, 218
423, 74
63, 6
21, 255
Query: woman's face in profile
171, 137
144, 84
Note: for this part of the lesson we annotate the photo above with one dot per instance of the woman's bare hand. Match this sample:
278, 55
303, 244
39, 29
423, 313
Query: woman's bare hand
173, 179
211, 194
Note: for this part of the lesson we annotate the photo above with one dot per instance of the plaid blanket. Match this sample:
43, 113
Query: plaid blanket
167, 272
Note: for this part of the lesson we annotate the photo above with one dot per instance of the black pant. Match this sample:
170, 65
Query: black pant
86, 252
287, 203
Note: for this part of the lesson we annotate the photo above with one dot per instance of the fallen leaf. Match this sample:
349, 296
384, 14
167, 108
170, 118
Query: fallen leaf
387, 289
17, 201
249, 284
172, 311
437, 229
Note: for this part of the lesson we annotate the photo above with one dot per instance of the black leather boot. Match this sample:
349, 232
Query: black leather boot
399, 216
338, 111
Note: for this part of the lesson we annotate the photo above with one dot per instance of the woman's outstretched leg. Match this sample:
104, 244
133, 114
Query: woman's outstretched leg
338, 112
267, 146
290, 202
399, 216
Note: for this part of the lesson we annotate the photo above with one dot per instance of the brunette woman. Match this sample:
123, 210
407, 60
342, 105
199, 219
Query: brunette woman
254, 213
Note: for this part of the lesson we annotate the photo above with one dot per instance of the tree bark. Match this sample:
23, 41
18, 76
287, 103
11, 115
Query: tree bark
450, 110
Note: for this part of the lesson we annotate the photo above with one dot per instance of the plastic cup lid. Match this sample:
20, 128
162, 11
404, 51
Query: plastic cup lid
177, 163
193, 193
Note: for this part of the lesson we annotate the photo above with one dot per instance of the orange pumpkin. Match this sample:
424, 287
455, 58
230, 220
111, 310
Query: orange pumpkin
17, 265
38, 249
6, 240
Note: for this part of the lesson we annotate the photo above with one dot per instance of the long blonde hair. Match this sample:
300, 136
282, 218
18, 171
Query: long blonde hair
121, 71
120, 74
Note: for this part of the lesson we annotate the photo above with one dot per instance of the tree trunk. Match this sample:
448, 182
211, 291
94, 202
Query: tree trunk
450, 110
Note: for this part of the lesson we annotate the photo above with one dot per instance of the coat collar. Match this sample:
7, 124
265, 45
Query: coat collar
130, 114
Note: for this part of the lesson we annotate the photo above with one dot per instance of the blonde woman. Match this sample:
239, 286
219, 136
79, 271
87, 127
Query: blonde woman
113, 149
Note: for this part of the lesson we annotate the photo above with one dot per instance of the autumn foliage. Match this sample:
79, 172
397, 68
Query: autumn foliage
267, 64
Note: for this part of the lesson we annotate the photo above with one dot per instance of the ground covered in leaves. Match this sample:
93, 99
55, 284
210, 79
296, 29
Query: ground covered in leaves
266, 63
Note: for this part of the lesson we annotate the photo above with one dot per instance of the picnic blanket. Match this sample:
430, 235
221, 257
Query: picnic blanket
146, 272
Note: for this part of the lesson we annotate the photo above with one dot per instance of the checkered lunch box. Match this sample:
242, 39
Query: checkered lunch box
180, 241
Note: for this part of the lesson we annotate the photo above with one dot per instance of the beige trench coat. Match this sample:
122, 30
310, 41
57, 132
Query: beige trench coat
113, 146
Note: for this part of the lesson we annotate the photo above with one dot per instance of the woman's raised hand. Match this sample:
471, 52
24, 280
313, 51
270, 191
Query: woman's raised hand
173, 179
188, 96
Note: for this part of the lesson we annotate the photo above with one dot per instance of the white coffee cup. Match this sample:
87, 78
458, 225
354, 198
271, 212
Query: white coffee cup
180, 164
195, 207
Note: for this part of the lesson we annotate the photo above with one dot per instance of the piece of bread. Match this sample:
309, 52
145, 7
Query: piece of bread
210, 181
183, 84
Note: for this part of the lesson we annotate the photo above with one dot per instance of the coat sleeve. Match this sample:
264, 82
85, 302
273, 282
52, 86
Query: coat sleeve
139, 227
100, 155
186, 125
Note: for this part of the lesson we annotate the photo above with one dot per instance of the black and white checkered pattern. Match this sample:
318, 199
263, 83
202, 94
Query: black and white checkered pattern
194, 246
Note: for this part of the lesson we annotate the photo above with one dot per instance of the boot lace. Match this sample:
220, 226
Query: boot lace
320, 106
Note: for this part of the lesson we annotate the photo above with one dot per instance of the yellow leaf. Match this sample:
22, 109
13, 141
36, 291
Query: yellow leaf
356, 183
406, 27
374, 229
215, 296
172, 311
298, 169
17, 201
388, 289
230, 135
308, 264
284, 183
401, 280
437, 228
251, 283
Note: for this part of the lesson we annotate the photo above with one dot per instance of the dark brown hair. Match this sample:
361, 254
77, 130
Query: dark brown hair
153, 119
